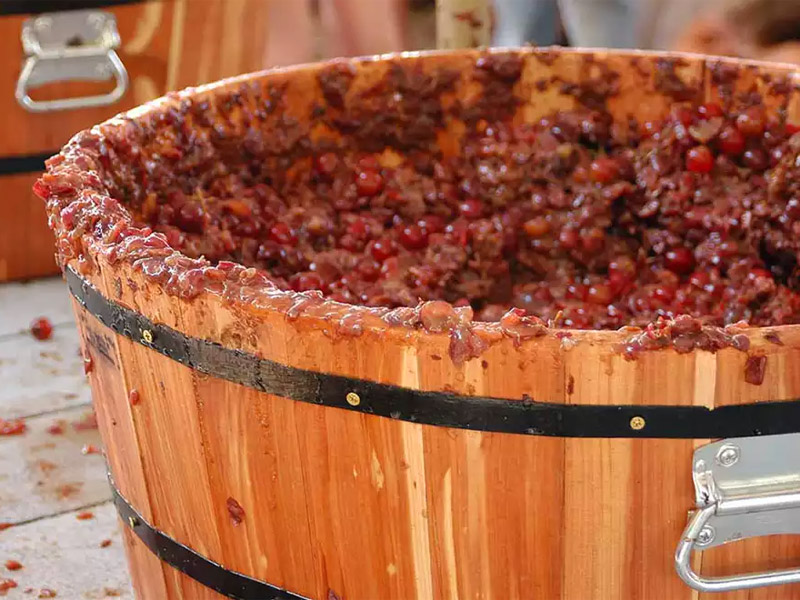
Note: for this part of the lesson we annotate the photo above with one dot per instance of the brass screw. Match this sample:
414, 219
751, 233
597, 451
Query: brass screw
637, 423
353, 399
133, 522
147, 336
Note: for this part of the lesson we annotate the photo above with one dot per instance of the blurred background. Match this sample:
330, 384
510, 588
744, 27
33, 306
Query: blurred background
68, 64
310, 29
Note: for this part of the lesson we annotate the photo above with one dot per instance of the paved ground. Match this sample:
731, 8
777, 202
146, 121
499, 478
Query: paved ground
47, 478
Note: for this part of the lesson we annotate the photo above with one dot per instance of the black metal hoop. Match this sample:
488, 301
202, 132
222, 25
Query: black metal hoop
525, 416
198, 567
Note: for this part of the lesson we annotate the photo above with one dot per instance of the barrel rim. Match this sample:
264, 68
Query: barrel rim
524, 416
77, 161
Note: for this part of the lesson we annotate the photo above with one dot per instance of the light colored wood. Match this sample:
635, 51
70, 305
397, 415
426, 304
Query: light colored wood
166, 45
368, 507
463, 23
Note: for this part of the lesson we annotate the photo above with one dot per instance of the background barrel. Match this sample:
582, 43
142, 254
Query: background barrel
165, 45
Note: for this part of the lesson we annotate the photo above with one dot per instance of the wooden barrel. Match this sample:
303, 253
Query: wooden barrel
267, 443
162, 45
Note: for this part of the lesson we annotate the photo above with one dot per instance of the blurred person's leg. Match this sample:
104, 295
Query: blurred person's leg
602, 23
647, 24
526, 21
290, 33
666, 19
355, 27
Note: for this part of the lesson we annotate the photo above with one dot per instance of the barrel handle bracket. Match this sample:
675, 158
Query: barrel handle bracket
744, 487
77, 45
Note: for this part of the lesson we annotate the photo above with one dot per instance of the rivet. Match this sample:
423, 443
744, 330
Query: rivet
637, 423
706, 536
133, 522
728, 455
147, 336
353, 399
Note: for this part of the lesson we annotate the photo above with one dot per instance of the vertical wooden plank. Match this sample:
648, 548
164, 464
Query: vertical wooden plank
495, 500
263, 473
214, 39
163, 396
122, 448
175, 72
598, 527
626, 498
463, 23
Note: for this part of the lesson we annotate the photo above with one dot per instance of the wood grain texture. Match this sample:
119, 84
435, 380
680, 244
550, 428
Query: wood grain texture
368, 507
463, 23
26, 243
166, 45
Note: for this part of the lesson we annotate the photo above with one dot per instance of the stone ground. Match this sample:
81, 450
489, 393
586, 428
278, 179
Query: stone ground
48, 479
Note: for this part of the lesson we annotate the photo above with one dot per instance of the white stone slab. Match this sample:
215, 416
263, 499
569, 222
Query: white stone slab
45, 478
21, 303
66, 555
43, 474
40, 376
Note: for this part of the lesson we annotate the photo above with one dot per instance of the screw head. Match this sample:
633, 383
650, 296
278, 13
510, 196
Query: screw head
728, 455
133, 522
147, 336
353, 399
706, 536
637, 423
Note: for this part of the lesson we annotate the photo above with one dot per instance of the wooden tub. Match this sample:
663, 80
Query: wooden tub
297, 448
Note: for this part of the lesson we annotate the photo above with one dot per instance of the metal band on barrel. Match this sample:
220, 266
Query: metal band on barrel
527, 417
201, 569
32, 7
24, 163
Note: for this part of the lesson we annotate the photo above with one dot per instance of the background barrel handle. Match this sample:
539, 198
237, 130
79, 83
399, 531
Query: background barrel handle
70, 46
113, 63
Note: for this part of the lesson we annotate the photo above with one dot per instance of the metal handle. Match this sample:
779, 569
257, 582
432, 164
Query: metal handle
721, 584
90, 68
70, 46
744, 487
